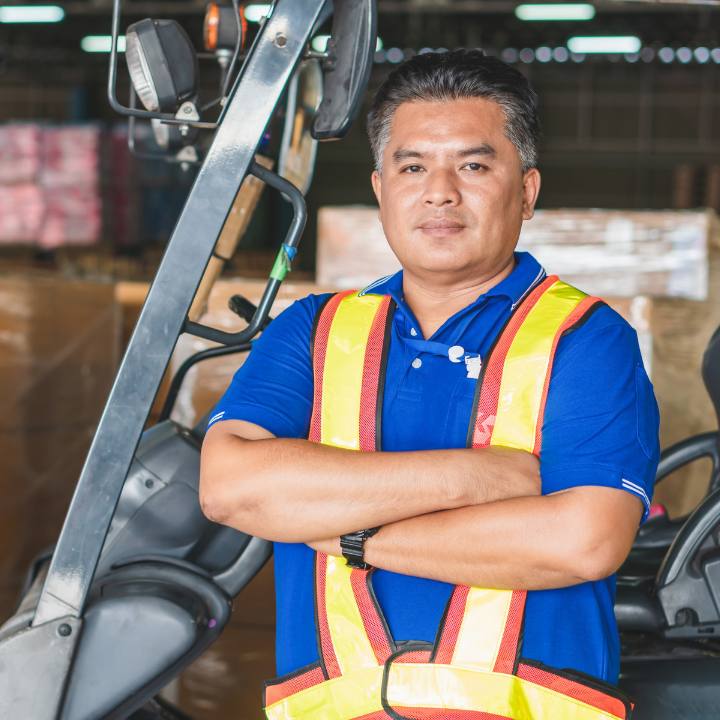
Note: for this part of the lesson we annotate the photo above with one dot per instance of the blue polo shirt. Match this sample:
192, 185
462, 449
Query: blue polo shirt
600, 428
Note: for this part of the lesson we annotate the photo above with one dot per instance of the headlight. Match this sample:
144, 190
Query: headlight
162, 64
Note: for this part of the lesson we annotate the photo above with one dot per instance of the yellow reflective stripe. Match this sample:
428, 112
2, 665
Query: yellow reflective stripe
432, 686
521, 389
347, 631
341, 698
526, 366
343, 371
482, 628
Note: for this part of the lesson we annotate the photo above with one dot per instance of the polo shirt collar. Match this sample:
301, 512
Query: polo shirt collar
524, 276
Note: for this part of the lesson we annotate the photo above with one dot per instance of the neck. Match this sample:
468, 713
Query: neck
434, 302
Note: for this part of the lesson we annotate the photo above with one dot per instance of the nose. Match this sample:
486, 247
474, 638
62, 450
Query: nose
441, 189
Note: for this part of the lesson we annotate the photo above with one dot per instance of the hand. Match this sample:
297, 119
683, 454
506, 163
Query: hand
504, 473
329, 546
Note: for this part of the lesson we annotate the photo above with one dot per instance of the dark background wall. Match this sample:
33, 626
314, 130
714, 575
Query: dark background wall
620, 131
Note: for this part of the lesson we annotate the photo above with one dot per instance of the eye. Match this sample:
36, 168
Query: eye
412, 169
474, 166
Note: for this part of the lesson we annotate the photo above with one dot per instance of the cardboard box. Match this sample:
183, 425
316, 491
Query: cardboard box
659, 269
59, 346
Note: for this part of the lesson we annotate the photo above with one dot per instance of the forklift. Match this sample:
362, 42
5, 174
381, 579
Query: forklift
140, 583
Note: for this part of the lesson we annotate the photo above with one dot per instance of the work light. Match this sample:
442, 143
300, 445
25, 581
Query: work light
162, 64
220, 29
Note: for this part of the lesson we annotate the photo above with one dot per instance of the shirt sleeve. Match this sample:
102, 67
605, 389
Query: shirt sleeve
601, 422
274, 387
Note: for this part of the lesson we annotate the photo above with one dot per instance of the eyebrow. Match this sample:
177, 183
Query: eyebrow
483, 149
404, 154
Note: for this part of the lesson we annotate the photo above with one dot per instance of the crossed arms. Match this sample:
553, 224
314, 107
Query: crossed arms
471, 517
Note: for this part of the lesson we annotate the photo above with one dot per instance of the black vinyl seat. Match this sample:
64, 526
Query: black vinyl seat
163, 590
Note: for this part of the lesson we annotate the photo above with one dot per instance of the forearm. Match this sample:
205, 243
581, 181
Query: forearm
527, 543
294, 490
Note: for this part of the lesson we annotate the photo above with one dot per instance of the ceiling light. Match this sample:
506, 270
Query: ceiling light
666, 54
647, 54
560, 54
527, 55
715, 54
509, 55
395, 55
607, 44
255, 13
555, 11
162, 64
319, 43
543, 54
31, 14
684, 55
101, 43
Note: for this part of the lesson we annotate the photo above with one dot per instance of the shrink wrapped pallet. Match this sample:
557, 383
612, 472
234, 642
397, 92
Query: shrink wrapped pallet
59, 350
659, 269
49, 185
22, 213
20, 153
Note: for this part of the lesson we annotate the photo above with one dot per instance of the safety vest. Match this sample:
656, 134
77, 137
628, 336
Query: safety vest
473, 670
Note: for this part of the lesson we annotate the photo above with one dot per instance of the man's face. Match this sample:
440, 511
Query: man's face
452, 193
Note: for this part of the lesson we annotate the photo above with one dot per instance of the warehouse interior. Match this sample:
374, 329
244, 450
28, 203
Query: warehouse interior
630, 160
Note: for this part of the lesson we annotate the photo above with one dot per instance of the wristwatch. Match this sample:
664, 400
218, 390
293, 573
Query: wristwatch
353, 548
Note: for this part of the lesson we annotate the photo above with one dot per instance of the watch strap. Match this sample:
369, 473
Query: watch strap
353, 547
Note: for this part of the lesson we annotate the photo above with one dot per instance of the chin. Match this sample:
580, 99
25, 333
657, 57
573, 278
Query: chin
441, 265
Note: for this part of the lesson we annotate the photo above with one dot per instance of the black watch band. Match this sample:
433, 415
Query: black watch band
353, 548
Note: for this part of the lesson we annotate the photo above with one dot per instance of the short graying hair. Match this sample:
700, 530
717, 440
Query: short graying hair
455, 75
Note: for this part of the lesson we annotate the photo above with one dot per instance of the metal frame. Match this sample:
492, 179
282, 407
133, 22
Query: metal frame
146, 154
296, 198
260, 85
187, 365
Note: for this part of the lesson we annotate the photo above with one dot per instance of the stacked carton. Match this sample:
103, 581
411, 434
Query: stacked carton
659, 269
49, 186
59, 350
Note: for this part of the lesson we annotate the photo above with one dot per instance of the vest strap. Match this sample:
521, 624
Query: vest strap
512, 391
348, 368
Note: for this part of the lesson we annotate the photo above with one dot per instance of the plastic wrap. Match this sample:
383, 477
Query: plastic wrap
59, 348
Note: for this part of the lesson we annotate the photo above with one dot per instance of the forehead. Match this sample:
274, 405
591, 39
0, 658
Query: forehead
448, 122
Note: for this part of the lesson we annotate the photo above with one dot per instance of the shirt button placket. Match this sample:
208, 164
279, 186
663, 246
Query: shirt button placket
417, 363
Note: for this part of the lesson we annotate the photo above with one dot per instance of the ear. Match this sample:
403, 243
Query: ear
376, 182
531, 190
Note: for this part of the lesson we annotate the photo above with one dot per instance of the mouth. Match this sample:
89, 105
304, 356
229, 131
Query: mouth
441, 228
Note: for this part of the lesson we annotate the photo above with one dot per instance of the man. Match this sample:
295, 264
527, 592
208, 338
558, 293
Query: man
463, 369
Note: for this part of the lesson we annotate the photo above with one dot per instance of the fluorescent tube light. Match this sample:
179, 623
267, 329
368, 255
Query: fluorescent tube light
255, 13
555, 11
319, 43
31, 14
101, 43
610, 44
